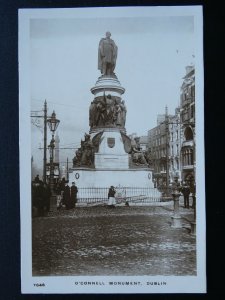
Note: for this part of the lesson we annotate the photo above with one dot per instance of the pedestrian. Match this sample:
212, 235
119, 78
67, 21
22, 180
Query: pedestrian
39, 194
74, 191
36, 179
67, 198
127, 203
111, 197
59, 196
185, 190
47, 196
62, 184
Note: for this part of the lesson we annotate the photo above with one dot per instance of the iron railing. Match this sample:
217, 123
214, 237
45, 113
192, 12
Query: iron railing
132, 195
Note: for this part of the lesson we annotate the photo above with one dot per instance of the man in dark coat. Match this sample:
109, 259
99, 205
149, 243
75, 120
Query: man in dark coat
185, 190
47, 196
74, 191
39, 195
67, 198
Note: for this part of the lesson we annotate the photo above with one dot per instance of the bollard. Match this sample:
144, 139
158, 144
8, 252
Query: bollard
176, 218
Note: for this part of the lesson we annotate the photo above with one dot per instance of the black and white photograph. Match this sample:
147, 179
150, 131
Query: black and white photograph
112, 180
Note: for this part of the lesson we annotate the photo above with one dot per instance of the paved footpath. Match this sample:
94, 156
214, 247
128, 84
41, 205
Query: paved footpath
113, 241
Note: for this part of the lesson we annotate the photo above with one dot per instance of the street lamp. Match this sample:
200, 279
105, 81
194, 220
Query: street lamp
53, 124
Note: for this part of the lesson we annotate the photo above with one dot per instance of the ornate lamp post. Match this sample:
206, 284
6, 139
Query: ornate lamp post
53, 124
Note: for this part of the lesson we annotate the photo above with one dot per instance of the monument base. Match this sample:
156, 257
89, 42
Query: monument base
111, 153
92, 178
110, 161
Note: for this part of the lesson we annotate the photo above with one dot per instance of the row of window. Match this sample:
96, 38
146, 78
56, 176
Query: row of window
188, 92
176, 135
162, 153
188, 113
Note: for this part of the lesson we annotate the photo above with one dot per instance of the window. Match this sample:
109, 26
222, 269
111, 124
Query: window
188, 134
177, 164
192, 111
193, 91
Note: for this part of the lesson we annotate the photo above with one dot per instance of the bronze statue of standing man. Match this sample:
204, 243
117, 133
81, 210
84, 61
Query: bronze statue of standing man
107, 54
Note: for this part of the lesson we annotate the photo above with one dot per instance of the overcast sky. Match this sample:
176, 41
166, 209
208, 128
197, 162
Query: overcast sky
152, 55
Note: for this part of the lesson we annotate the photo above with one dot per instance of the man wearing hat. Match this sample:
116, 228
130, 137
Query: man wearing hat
111, 196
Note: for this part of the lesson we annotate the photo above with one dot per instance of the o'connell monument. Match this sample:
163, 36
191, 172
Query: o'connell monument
107, 156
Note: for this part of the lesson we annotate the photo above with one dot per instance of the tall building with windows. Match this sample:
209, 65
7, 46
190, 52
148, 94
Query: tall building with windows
187, 115
172, 141
157, 141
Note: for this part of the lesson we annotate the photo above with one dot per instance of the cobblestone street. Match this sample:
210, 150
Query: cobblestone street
113, 241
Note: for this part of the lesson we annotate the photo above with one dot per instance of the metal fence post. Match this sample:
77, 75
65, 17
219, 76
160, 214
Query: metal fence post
176, 218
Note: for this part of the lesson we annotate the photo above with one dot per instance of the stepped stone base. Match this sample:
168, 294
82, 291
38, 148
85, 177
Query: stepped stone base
92, 178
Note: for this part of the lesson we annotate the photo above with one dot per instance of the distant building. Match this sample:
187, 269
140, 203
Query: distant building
157, 146
187, 114
143, 143
160, 119
172, 141
164, 142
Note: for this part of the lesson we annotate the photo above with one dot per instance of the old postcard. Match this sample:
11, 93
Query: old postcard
112, 184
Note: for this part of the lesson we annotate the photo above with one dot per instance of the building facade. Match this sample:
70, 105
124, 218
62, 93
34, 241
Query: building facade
175, 143
157, 140
187, 115
172, 141
164, 143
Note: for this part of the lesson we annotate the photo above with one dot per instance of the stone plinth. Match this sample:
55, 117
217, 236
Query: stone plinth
111, 162
111, 154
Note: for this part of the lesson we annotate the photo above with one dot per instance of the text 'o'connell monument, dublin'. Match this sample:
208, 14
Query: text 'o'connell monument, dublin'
107, 155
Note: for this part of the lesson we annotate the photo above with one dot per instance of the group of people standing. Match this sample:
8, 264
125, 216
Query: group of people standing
41, 195
66, 195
